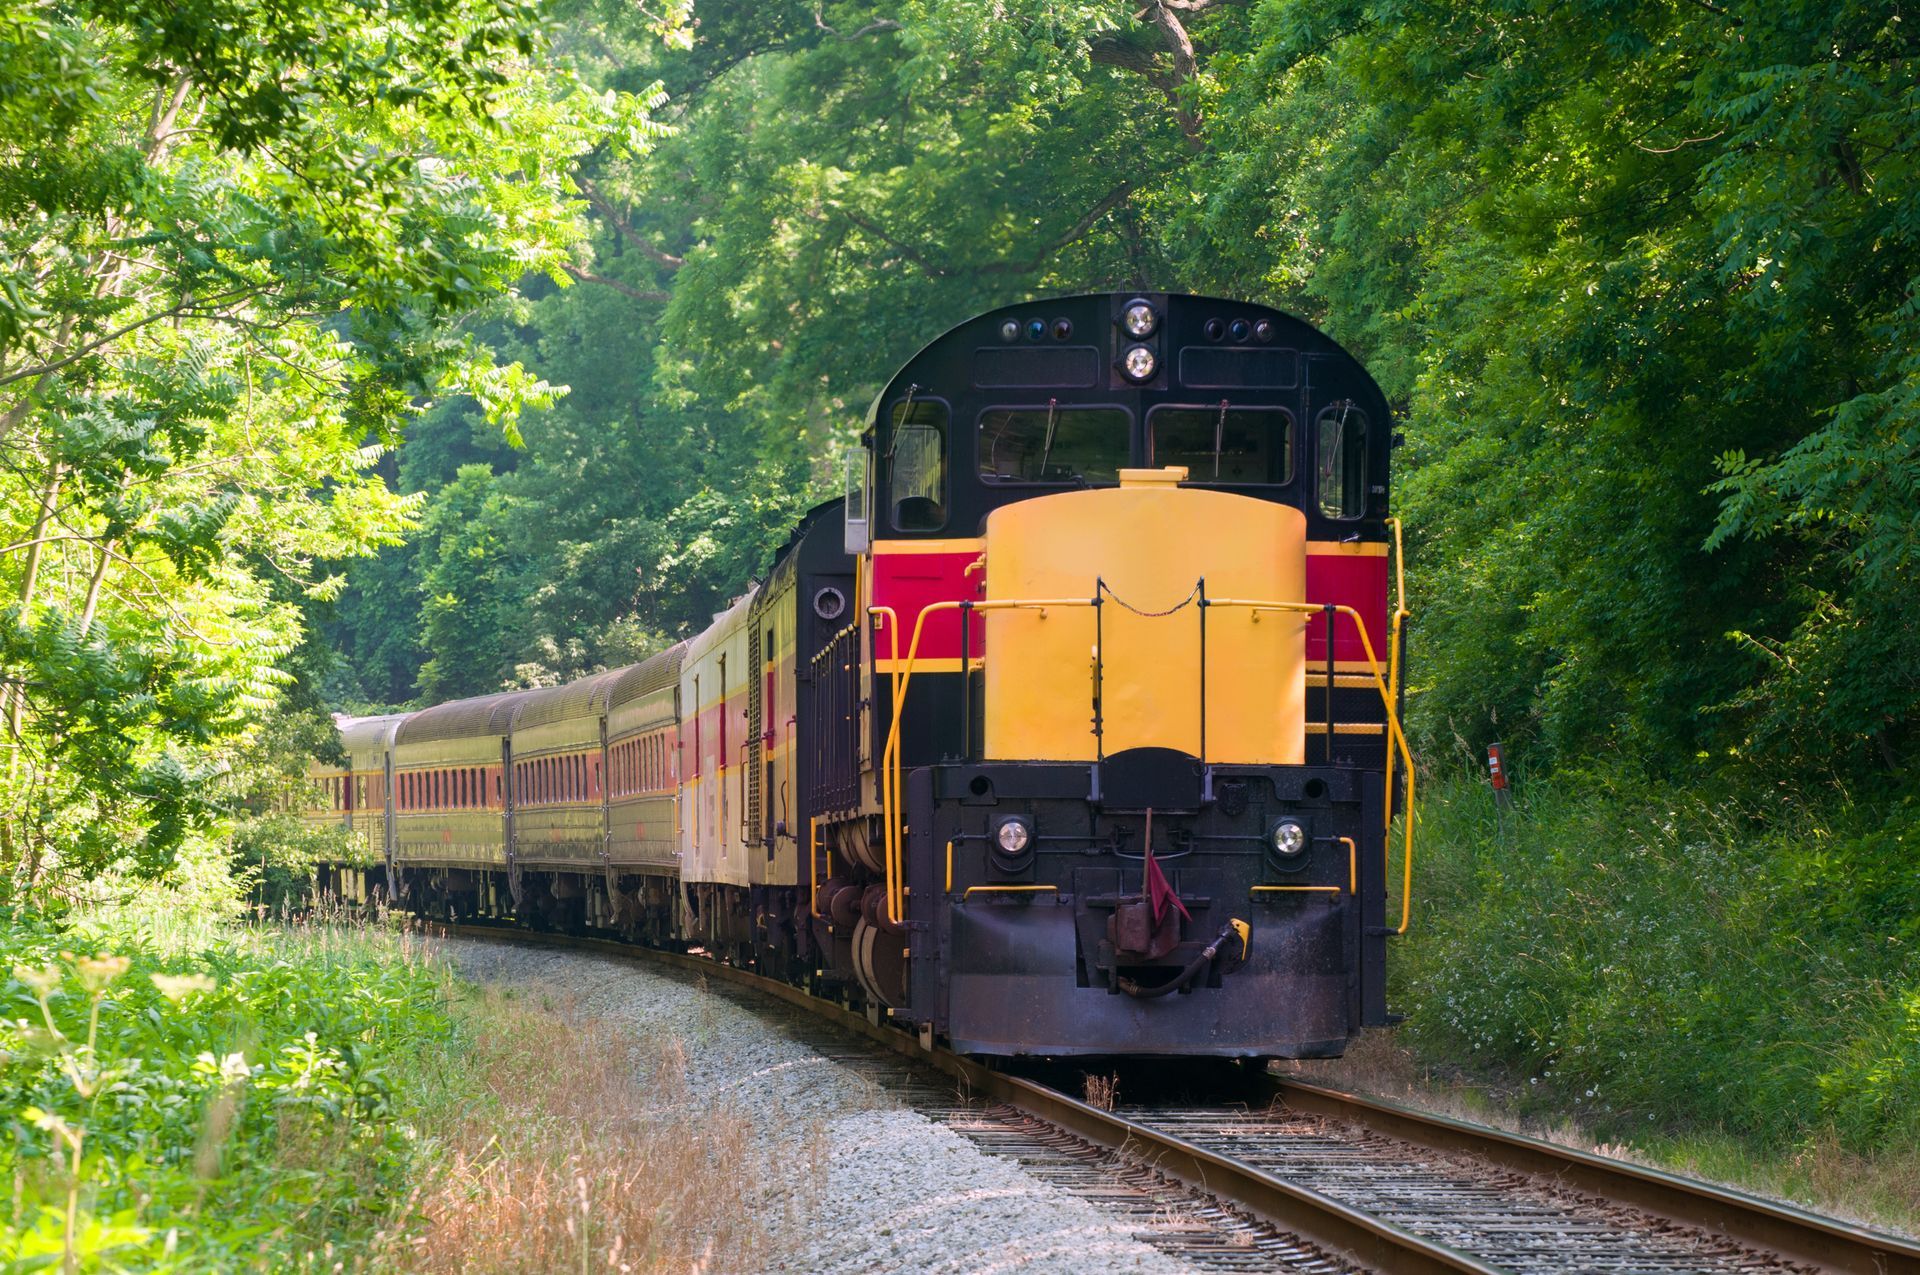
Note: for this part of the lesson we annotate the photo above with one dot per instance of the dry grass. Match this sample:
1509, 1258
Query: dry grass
1882, 1190
1100, 1091
561, 1144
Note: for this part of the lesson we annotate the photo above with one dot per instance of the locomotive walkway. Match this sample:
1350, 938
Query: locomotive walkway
1295, 1177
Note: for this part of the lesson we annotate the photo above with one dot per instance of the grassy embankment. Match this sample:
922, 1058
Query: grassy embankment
214, 1097
1713, 985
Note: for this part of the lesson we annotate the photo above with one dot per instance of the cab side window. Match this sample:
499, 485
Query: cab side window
1340, 467
917, 466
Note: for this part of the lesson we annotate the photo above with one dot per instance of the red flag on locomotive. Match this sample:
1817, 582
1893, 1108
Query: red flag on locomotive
1160, 891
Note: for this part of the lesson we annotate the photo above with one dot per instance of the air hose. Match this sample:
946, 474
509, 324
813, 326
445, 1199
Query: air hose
1234, 929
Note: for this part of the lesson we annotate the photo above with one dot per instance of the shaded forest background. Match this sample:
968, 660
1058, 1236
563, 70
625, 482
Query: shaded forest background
1640, 279
357, 356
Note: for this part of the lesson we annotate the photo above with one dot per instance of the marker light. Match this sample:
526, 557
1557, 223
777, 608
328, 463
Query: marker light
1062, 329
1036, 328
1013, 835
1010, 330
1139, 319
1263, 330
1214, 329
1289, 838
1139, 363
1238, 330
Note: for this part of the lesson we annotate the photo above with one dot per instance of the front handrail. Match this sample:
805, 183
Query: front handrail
1395, 736
890, 755
903, 679
1400, 615
887, 821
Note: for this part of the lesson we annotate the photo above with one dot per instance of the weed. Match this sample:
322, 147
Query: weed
553, 1148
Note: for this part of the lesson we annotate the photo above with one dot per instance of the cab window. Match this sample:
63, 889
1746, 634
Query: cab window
917, 465
1341, 451
1223, 444
1054, 444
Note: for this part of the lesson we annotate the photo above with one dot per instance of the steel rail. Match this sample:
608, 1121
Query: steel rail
1316, 1218
1822, 1242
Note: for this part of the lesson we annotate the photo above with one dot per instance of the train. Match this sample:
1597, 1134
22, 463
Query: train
1072, 729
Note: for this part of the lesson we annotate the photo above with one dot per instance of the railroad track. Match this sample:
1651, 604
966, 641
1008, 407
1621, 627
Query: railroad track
1295, 1177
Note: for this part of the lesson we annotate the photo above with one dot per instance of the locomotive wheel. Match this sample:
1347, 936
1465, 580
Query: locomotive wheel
880, 963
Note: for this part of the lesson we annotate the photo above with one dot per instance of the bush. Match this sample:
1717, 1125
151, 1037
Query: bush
1655, 959
217, 1105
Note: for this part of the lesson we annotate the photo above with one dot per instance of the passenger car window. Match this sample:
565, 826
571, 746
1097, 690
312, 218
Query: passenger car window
917, 465
1223, 444
1341, 445
1054, 444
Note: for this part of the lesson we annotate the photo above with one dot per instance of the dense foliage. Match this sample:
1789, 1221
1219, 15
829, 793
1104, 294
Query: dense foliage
240, 242
1659, 961
228, 1102
1641, 278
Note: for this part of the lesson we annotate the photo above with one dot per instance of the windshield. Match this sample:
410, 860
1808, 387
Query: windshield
1054, 444
1223, 444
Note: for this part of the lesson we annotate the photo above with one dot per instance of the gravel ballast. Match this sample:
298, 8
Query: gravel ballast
880, 1187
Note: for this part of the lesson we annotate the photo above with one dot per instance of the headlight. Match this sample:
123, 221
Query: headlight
1139, 319
1013, 835
1138, 363
1289, 838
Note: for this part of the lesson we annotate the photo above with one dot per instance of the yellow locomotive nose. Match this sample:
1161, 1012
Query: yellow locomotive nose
1151, 666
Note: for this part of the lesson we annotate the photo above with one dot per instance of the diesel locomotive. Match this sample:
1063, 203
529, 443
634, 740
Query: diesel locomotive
1071, 730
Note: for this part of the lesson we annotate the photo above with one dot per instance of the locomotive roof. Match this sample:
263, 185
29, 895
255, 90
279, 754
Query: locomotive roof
458, 719
648, 676
971, 333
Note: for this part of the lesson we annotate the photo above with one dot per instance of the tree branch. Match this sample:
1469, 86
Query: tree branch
1025, 266
624, 289
43, 368
872, 28
1710, 7
1107, 204
1108, 51
917, 257
626, 229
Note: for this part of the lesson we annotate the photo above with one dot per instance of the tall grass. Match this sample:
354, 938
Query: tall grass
183, 1098
558, 1143
181, 1093
1673, 964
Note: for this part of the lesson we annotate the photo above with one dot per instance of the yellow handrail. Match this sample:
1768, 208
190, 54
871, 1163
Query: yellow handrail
1395, 736
813, 865
890, 755
1400, 613
903, 679
887, 820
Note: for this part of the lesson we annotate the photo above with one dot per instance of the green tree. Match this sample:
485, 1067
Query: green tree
238, 245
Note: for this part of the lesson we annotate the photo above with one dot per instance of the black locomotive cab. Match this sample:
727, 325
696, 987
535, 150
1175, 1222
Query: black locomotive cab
1065, 394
